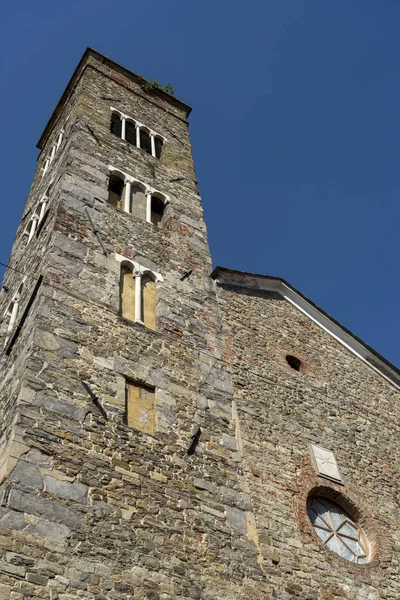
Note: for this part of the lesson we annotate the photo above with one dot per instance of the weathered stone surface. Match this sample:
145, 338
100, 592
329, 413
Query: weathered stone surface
64, 489
236, 519
42, 507
26, 474
94, 509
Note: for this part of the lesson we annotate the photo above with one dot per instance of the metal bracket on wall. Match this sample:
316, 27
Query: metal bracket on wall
186, 275
95, 399
195, 440
93, 134
96, 233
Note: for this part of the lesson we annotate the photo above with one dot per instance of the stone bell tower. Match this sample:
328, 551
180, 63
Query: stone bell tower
109, 334
168, 432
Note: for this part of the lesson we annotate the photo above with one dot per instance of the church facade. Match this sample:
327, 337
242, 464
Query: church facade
169, 431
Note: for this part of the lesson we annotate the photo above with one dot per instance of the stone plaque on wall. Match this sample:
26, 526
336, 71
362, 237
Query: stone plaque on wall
325, 462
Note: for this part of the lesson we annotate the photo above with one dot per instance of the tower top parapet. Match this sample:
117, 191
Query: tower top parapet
89, 58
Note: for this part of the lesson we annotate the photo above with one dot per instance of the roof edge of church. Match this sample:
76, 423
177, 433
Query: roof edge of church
117, 67
343, 335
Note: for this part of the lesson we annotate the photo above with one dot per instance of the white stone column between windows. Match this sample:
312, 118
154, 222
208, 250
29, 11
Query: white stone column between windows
127, 196
148, 207
138, 297
42, 210
46, 165
60, 138
53, 153
137, 136
123, 128
153, 145
14, 313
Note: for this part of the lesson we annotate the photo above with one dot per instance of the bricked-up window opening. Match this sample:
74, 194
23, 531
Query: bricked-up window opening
115, 190
145, 141
157, 211
337, 530
116, 125
158, 143
293, 362
138, 201
140, 407
130, 133
148, 302
127, 293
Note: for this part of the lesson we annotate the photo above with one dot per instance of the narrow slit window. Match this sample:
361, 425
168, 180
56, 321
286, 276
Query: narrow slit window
116, 125
130, 132
145, 141
158, 143
115, 190
157, 211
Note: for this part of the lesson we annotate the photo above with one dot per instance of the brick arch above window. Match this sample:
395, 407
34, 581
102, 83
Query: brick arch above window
352, 499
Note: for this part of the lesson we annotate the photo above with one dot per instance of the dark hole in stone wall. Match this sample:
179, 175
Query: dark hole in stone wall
293, 362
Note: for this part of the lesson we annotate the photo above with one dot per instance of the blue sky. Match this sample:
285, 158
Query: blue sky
295, 130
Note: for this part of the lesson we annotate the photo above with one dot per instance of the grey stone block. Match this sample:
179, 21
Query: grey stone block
236, 519
65, 489
27, 474
43, 507
12, 519
61, 407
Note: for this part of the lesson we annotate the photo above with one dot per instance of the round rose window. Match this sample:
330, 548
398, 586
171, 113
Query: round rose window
337, 530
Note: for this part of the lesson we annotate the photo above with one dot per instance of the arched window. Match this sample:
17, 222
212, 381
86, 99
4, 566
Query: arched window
127, 292
138, 201
116, 125
115, 190
130, 132
138, 292
157, 211
158, 143
148, 301
13, 309
31, 228
145, 141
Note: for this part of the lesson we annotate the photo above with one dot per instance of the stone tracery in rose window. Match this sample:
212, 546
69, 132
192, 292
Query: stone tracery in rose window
337, 530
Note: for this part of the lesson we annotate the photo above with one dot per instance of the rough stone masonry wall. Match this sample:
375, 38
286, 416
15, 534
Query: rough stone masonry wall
94, 509
27, 262
335, 401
